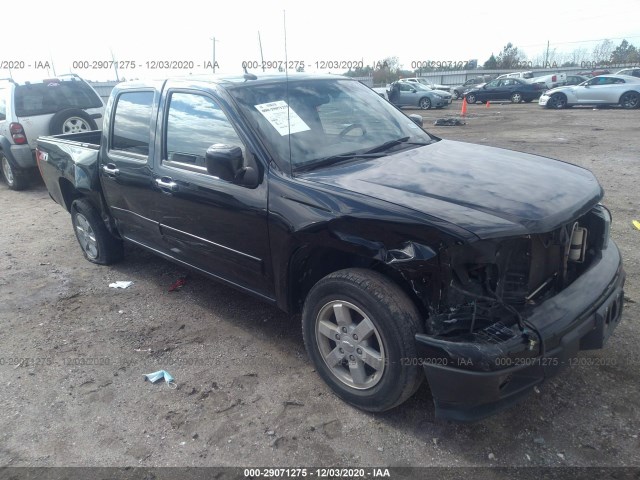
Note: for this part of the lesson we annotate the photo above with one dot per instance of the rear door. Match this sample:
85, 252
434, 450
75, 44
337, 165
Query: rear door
126, 166
215, 225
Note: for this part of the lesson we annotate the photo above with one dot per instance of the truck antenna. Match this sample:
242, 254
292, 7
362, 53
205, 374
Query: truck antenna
286, 74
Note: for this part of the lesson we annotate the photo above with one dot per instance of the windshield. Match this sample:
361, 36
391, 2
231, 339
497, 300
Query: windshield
327, 119
420, 86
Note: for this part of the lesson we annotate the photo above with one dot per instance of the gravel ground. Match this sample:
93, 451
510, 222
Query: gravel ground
73, 351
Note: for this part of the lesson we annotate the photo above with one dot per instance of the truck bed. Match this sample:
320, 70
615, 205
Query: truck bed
89, 139
69, 163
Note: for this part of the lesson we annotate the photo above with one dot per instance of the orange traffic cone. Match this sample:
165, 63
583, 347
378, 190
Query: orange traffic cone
488, 104
463, 112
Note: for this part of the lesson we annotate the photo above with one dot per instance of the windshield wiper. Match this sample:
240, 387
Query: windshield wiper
392, 143
376, 152
332, 160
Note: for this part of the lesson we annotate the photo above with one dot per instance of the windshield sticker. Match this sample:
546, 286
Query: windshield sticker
276, 115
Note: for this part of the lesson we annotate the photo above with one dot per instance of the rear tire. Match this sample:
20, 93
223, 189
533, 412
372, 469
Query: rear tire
16, 178
359, 330
630, 100
97, 243
516, 97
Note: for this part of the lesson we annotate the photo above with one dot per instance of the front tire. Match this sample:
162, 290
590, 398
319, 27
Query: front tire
516, 97
557, 100
16, 179
471, 98
630, 100
97, 243
425, 103
359, 330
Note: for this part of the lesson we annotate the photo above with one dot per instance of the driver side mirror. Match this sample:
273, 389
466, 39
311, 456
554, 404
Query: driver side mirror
227, 163
413, 90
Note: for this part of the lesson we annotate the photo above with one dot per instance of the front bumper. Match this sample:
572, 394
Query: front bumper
542, 101
474, 376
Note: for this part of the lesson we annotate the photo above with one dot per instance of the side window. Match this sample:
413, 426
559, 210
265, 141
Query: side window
493, 83
194, 123
131, 122
405, 87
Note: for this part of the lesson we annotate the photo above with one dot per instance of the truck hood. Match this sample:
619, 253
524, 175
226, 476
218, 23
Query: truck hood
490, 192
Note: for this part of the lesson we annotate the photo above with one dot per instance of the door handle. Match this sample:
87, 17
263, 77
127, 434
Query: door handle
110, 169
167, 184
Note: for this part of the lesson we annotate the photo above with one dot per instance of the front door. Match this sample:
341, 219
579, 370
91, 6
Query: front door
215, 225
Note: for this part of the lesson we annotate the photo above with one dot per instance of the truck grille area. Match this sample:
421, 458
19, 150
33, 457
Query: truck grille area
499, 281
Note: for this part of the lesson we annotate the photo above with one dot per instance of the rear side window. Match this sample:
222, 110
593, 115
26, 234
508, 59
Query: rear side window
131, 122
52, 96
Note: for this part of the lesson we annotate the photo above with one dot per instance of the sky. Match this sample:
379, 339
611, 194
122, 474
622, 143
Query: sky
152, 33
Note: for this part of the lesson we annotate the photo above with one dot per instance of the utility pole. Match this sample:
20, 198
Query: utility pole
115, 65
546, 57
213, 40
261, 55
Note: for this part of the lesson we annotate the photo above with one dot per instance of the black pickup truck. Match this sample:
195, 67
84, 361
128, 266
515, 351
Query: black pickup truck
407, 256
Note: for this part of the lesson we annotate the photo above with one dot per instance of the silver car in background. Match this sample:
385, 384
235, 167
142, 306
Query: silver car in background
406, 94
622, 90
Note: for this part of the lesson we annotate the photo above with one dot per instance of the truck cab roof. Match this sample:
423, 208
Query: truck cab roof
232, 80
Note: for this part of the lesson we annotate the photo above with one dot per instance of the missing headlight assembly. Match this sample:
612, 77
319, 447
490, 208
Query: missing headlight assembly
500, 280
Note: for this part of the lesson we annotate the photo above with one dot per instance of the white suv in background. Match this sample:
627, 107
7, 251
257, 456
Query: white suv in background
29, 109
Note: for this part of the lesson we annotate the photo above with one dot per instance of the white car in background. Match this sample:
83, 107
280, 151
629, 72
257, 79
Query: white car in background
623, 90
31, 108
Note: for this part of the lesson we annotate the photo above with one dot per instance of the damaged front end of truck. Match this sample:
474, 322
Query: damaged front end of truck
512, 311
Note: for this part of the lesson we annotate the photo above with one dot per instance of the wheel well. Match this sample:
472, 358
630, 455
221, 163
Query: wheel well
628, 91
69, 193
311, 266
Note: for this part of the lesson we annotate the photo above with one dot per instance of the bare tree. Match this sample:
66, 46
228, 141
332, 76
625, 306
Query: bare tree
602, 51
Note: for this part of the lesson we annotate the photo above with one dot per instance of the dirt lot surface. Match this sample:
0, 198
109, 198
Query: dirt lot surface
73, 351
